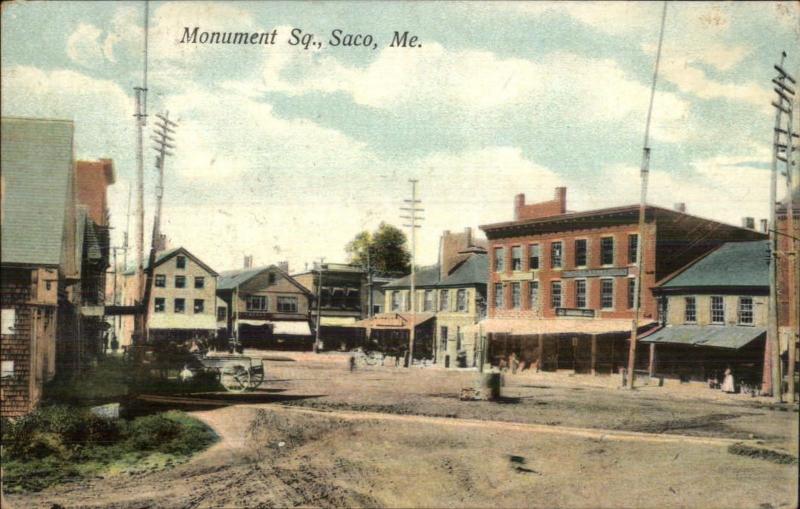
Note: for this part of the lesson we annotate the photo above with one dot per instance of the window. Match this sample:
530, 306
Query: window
161, 281
461, 300
257, 302
633, 244
556, 251
222, 314
498, 295
7, 369
607, 293
717, 310
444, 300
580, 293
689, 310
555, 294
199, 306
580, 253
516, 295
607, 250
159, 305
516, 258
428, 303
180, 262
395, 301
533, 294
746, 310
631, 291
443, 338
533, 256
8, 320
199, 282
407, 300
499, 259
180, 305
287, 304
271, 278
180, 281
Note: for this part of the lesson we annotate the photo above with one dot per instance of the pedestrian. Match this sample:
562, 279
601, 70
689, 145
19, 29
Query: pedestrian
352, 362
514, 362
727, 383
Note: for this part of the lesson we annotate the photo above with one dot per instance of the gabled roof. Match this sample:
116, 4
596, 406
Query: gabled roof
734, 264
37, 167
231, 279
472, 271
163, 256
424, 276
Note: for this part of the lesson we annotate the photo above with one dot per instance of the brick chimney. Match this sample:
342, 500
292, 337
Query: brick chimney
284, 266
554, 207
248, 261
680, 207
749, 223
450, 247
764, 226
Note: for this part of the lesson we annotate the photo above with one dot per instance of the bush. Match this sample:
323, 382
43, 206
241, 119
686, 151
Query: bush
151, 431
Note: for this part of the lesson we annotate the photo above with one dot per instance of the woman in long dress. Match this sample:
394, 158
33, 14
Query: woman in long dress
727, 383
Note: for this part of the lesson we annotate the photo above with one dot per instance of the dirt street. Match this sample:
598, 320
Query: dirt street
319, 435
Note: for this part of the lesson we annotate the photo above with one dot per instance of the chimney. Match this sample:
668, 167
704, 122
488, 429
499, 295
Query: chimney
519, 203
561, 199
764, 226
749, 223
284, 266
468, 235
248, 261
680, 207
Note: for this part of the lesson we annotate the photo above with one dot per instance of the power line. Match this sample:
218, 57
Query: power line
412, 218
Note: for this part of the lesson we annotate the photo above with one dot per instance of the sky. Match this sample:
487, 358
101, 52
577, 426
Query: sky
286, 153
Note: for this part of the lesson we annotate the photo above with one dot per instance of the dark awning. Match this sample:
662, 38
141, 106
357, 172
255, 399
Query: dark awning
714, 336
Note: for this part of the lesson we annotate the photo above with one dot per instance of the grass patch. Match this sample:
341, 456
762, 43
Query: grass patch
762, 454
60, 444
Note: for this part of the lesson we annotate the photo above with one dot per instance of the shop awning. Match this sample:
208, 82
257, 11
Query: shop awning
519, 327
287, 328
257, 323
715, 336
337, 321
393, 321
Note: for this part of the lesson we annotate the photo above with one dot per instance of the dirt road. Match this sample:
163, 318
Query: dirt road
318, 435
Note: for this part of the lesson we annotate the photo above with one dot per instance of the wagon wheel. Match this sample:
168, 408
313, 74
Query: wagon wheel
256, 378
235, 378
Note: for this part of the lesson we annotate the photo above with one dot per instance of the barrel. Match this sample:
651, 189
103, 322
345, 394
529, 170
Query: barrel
490, 385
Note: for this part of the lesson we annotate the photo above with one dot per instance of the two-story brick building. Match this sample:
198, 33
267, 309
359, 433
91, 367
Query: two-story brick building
561, 283
266, 308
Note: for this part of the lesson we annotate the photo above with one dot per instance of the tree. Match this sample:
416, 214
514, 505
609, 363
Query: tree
386, 247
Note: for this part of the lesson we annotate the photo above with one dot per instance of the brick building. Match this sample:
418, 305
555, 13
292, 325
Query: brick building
560, 283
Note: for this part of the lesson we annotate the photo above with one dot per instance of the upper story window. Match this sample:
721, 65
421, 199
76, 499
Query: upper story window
395, 298
631, 292
499, 259
717, 309
271, 278
580, 253
199, 282
607, 250
689, 310
180, 262
633, 245
555, 294
180, 281
533, 294
199, 306
461, 300
533, 256
407, 300
580, 293
161, 281
516, 258
745, 310
222, 313
516, 295
180, 305
607, 293
287, 304
257, 302
159, 305
498, 295
428, 302
444, 300
556, 252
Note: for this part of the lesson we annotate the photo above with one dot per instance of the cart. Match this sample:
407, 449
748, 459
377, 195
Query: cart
237, 373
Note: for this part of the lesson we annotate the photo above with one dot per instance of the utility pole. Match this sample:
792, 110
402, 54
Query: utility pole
412, 218
319, 304
644, 176
141, 122
782, 151
163, 143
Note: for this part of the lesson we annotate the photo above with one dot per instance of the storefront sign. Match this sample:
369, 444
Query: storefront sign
579, 312
611, 272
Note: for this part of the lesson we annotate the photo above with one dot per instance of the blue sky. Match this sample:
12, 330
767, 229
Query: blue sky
285, 153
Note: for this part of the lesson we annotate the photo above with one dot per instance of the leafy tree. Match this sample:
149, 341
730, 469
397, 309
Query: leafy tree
386, 247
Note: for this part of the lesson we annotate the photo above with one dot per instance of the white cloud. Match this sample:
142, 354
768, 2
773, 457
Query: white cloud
84, 46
